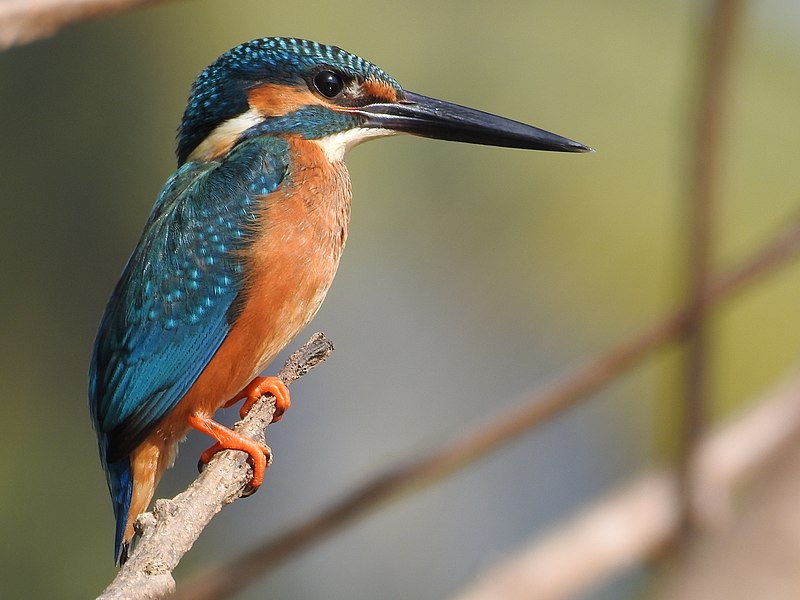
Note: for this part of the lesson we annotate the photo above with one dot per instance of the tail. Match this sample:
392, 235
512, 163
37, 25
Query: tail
120, 484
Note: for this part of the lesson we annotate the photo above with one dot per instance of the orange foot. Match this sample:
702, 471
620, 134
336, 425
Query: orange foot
259, 387
230, 440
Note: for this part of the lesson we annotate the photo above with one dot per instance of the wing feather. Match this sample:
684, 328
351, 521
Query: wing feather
178, 295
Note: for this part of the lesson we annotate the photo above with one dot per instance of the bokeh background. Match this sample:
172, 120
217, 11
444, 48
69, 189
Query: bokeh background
472, 275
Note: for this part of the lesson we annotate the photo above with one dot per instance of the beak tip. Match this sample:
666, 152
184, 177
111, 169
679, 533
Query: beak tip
574, 146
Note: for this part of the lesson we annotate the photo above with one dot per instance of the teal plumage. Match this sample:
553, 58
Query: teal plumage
176, 300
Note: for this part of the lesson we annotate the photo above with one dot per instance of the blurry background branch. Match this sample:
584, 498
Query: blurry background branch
711, 107
758, 555
635, 523
172, 528
25, 21
226, 579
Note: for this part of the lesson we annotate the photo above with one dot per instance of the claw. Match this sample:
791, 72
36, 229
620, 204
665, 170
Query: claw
259, 387
248, 491
230, 440
207, 455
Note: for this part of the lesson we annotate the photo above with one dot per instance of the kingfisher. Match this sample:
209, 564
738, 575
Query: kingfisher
241, 247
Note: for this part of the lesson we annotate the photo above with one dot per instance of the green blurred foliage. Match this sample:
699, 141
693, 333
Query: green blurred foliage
564, 254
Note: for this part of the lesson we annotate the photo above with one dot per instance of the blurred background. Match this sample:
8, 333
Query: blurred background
472, 275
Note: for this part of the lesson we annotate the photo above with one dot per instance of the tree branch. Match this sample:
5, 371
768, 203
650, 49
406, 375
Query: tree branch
224, 580
25, 21
170, 530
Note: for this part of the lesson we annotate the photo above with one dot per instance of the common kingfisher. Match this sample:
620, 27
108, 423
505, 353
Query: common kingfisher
242, 245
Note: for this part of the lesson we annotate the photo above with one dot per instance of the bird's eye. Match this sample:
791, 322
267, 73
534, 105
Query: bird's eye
328, 83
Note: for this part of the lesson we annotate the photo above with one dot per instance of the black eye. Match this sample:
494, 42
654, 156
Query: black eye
328, 83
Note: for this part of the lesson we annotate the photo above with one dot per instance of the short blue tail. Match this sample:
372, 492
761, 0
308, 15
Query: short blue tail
120, 484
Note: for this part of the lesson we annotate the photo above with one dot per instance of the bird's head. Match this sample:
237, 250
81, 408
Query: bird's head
287, 86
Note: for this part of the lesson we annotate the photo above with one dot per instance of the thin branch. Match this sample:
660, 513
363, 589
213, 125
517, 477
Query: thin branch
633, 524
723, 23
25, 21
230, 577
170, 530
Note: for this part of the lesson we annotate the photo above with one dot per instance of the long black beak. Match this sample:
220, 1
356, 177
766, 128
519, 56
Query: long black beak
428, 117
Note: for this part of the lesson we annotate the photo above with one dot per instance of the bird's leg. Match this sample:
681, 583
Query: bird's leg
230, 440
252, 393
259, 387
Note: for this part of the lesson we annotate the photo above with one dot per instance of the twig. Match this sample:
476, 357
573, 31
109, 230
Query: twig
25, 21
635, 522
226, 579
170, 530
702, 199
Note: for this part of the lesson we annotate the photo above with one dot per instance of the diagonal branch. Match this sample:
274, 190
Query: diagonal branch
170, 530
25, 21
226, 579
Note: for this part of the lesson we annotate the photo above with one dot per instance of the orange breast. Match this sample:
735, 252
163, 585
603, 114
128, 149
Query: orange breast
289, 269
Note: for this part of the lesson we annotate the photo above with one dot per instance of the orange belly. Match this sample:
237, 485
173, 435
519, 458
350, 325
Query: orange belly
289, 269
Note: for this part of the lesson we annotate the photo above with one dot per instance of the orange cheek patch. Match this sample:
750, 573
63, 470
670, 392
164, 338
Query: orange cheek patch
275, 100
378, 89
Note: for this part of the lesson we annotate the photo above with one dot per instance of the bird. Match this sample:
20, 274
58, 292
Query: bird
242, 245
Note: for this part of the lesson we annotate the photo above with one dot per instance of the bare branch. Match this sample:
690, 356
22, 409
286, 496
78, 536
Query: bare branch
226, 579
170, 530
636, 522
25, 21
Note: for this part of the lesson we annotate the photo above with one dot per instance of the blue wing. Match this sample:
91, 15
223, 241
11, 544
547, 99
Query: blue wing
176, 299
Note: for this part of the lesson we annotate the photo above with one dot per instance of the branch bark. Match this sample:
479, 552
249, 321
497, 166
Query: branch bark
25, 21
170, 530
